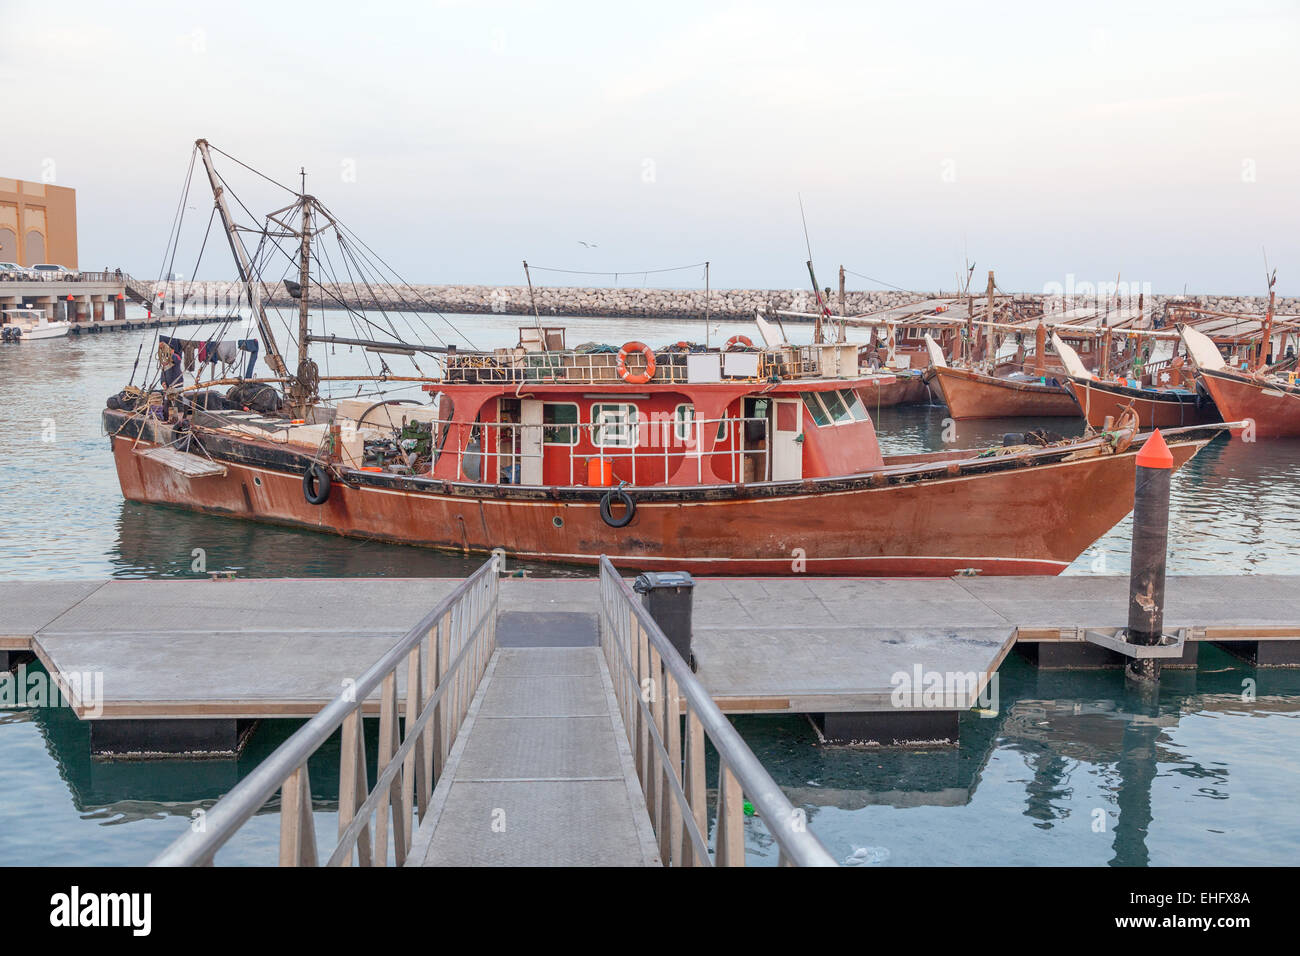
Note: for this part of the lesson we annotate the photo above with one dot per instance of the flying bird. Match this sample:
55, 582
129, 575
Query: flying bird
589, 245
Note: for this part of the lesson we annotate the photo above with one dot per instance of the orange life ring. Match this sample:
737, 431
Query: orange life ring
639, 378
738, 340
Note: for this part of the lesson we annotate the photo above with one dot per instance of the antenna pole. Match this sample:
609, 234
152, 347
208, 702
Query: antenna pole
533, 299
706, 305
822, 309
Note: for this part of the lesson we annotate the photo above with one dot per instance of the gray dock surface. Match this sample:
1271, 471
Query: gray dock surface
283, 647
541, 773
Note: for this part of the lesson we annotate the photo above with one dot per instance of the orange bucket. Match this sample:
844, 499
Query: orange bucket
600, 472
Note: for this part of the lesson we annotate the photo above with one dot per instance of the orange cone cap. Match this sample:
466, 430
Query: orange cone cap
1155, 453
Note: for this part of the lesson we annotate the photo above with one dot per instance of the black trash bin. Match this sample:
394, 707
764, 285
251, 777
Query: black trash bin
667, 596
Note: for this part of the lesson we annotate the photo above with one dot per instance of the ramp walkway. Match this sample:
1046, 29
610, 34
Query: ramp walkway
542, 774
543, 738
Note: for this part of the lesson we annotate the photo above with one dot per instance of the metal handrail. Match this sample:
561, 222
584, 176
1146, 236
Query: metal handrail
445, 654
654, 687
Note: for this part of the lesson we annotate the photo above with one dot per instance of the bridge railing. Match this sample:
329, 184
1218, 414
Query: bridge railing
443, 657
668, 716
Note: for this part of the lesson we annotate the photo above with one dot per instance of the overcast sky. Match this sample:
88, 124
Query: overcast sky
1159, 142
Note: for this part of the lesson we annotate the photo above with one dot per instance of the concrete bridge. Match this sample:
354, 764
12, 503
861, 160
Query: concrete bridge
91, 297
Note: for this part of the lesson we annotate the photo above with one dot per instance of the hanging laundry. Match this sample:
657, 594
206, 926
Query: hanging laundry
227, 351
167, 362
250, 346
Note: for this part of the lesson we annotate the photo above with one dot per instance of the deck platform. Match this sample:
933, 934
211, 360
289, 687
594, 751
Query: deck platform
266, 648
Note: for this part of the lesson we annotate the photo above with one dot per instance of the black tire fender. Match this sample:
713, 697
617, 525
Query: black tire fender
316, 484
607, 512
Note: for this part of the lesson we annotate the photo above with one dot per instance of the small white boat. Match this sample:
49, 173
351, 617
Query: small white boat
20, 324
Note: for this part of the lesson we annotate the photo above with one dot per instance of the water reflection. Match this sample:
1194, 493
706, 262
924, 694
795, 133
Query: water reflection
155, 541
1098, 757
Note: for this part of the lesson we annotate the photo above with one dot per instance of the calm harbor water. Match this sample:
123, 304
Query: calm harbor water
1075, 768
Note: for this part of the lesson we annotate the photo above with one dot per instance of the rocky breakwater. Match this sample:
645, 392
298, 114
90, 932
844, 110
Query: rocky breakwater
627, 302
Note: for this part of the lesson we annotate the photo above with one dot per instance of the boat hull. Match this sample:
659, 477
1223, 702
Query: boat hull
903, 390
1274, 409
52, 330
1101, 400
1021, 519
976, 395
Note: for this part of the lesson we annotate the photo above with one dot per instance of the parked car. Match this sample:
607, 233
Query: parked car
52, 272
12, 272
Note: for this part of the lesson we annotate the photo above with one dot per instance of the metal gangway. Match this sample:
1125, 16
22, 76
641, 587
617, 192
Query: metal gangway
453, 732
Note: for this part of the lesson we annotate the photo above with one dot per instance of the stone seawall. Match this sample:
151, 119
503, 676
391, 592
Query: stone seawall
555, 301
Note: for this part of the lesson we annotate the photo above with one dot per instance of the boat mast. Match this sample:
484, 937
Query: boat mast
1266, 333
304, 386
242, 263
990, 350
842, 334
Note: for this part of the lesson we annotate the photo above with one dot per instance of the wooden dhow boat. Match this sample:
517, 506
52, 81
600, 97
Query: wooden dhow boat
1155, 405
740, 460
989, 382
1263, 403
970, 393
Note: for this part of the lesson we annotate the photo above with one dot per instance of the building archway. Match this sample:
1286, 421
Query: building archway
34, 247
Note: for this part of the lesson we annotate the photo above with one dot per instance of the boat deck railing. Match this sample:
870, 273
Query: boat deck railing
443, 658
638, 451
672, 365
668, 717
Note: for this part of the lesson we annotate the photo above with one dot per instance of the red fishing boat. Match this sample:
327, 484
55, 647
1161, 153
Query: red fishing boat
740, 460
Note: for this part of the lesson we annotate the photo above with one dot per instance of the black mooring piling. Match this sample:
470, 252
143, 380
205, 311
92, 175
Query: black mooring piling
1146, 587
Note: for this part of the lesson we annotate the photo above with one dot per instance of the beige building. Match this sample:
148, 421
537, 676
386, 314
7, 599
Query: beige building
38, 223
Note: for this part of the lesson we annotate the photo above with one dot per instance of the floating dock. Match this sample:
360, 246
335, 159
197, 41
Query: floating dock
188, 664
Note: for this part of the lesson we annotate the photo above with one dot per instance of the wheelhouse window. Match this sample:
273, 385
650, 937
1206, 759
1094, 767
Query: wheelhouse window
835, 408
613, 426
815, 409
854, 404
559, 423
684, 423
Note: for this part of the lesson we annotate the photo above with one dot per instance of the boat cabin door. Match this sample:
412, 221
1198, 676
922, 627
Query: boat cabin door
530, 442
787, 448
